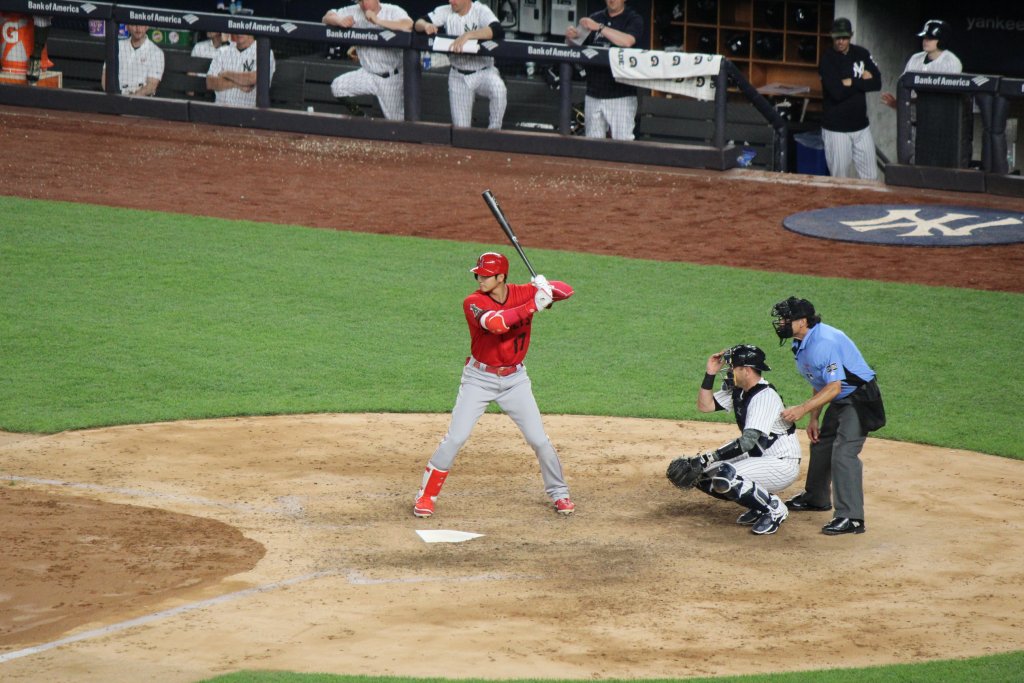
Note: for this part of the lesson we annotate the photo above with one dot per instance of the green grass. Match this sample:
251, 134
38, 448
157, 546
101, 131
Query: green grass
1004, 668
111, 316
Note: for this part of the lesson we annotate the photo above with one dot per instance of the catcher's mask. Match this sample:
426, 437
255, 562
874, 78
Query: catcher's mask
788, 310
490, 263
746, 356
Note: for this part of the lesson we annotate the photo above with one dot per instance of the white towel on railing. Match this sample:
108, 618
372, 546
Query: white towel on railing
681, 73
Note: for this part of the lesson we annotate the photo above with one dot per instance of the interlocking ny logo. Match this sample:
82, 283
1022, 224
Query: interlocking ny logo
923, 227
934, 225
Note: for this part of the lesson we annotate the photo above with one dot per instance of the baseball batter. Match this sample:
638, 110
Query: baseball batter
470, 75
609, 106
140, 64
500, 318
381, 69
232, 74
764, 460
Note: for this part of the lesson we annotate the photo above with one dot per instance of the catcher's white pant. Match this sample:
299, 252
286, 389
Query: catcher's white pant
842, 149
774, 474
514, 395
615, 113
389, 91
463, 89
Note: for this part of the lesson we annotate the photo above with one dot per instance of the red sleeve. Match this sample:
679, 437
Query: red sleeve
500, 322
560, 290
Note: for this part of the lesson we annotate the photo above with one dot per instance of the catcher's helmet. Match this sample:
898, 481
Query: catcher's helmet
746, 356
490, 263
936, 29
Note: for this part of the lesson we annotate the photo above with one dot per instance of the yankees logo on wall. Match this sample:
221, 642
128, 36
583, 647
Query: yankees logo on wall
911, 225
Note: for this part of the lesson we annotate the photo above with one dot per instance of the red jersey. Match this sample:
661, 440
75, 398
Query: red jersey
500, 332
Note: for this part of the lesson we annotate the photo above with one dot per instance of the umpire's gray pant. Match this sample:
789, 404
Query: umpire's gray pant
835, 462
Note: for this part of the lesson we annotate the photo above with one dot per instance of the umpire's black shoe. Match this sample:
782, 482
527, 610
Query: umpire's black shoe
799, 503
844, 525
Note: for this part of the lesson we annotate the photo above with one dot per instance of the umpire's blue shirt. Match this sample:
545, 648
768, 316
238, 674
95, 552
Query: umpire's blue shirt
825, 355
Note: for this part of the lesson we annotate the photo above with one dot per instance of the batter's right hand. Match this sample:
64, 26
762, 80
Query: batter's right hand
542, 299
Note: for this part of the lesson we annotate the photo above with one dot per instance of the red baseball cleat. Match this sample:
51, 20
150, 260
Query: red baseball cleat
564, 506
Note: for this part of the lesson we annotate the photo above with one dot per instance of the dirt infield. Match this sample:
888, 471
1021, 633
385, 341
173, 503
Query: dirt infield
287, 542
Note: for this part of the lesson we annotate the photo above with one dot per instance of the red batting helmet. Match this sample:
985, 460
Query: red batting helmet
491, 263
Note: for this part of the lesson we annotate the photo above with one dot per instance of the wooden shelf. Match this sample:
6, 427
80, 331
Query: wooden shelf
770, 41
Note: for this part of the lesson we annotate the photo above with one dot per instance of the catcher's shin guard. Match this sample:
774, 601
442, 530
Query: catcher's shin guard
433, 480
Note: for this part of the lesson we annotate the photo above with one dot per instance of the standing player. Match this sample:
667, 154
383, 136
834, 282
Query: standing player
40, 34
500, 317
933, 58
470, 75
381, 72
232, 74
835, 369
140, 64
609, 105
848, 72
764, 460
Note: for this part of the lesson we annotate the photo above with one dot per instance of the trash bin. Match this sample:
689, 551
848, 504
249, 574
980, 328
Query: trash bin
810, 153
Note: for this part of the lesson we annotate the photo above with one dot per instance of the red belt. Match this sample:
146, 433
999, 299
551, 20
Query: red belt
499, 370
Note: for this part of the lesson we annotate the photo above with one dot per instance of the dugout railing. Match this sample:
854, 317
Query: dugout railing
949, 100
711, 152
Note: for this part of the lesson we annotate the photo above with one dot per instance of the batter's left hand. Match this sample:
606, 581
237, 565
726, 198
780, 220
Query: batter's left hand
541, 282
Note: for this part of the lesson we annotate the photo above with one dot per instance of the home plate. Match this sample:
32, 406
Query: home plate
446, 536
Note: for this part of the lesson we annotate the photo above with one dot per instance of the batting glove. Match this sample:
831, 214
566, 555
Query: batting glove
543, 299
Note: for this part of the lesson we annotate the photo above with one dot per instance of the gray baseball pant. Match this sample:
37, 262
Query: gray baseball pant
835, 462
514, 395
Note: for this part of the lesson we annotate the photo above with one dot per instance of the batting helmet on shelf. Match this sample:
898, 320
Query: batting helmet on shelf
775, 14
768, 45
739, 45
707, 42
490, 263
936, 29
807, 48
804, 18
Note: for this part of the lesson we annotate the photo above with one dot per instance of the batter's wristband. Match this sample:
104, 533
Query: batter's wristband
709, 382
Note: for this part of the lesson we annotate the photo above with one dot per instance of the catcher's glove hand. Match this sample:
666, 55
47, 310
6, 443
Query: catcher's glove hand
684, 472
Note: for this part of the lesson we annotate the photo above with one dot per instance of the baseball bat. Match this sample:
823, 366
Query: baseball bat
499, 215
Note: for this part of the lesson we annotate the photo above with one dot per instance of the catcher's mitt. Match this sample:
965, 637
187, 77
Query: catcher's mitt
684, 472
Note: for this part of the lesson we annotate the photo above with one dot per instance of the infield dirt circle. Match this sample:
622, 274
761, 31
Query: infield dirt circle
174, 552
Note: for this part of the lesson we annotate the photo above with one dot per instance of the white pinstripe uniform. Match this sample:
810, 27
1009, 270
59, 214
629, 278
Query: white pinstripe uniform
233, 59
381, 73
471, 75
778, 467
135, 65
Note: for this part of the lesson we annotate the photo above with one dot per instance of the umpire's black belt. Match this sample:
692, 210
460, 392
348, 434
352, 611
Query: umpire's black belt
386, 74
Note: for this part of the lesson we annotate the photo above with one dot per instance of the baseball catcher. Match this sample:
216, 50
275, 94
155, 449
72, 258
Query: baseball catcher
764, 460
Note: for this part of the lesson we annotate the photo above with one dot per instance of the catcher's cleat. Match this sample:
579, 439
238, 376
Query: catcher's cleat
749, 517
564, 506
34, 71
844, 525
799, 503
771, 521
